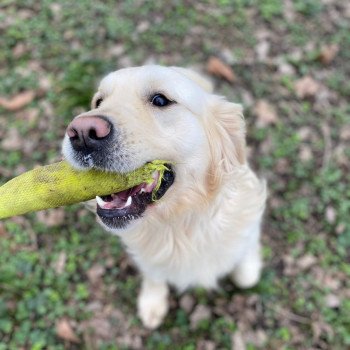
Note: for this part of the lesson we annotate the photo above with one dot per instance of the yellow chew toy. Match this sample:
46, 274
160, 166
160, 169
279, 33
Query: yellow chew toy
59, 184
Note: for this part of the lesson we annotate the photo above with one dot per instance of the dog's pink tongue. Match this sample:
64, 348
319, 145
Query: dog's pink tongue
124, 198
120, 199
116, 203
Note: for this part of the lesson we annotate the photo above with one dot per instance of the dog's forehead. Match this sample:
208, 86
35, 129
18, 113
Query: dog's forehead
149, 80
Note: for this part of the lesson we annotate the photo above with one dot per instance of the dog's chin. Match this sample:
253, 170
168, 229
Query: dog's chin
119, 211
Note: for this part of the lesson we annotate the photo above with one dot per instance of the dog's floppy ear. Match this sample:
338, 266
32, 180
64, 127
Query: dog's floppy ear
226, 136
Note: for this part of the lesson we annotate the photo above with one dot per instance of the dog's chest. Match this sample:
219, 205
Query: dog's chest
197, 257
207, 261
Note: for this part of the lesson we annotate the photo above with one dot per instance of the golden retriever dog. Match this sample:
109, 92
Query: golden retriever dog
205, 223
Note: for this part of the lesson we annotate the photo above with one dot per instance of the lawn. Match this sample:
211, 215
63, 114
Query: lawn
66, 284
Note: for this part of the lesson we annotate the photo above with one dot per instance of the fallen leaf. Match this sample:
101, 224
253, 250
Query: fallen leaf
266, 146
3, 232
95, 273
305, 133
262, 50
289, 266
60, 263
143, 26
52, 217
30, 144
130, 341
200, 313
228, 55
321, 328
340, 228
19, 50
306, 261
29, 115
110, 262
305, 153
13, 141
187, 302
17, 102
340, 155
219, 68
265, 113
289, 12
258, 338
99, 327
345, 132
94, 306
328, 53
282, 166
65, 331
306, 87
56, 9
247, 98
238, 341
331, 215
45, 84
332, 301
205, 345
330, 280
285, 68
116, 50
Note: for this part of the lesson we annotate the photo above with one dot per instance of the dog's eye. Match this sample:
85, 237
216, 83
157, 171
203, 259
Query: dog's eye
98, 102
160, 100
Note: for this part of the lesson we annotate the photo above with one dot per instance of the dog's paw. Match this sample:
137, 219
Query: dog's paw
152, 311
245, 281
152, 303
247, 274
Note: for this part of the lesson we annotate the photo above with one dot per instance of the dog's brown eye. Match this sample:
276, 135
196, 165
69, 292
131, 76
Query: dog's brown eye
160, 100
98, 102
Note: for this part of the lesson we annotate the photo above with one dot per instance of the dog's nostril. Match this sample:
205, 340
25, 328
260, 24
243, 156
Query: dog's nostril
93, 135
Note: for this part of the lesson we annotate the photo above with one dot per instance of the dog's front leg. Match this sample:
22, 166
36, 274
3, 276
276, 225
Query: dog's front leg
247, 272
153, 302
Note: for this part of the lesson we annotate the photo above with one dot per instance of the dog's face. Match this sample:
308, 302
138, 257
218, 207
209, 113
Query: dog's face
152, 112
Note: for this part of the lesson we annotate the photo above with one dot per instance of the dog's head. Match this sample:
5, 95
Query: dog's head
153, 112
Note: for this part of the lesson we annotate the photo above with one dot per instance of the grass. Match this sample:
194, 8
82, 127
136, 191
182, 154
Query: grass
73, 44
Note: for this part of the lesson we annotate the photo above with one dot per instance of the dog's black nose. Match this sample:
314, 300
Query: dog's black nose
89, 133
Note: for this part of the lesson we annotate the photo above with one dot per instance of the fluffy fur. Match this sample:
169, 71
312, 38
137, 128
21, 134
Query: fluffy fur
207, 225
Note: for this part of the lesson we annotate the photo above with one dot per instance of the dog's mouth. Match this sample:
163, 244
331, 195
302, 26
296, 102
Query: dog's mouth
119, 209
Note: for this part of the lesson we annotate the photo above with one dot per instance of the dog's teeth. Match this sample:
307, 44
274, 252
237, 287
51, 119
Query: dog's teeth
100, 201
128, 202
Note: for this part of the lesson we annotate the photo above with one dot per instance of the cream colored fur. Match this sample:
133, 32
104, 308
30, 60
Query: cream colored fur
207, 225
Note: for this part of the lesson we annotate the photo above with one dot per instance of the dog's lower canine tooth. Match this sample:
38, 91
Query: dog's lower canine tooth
59, 184
128, 202
100, 201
